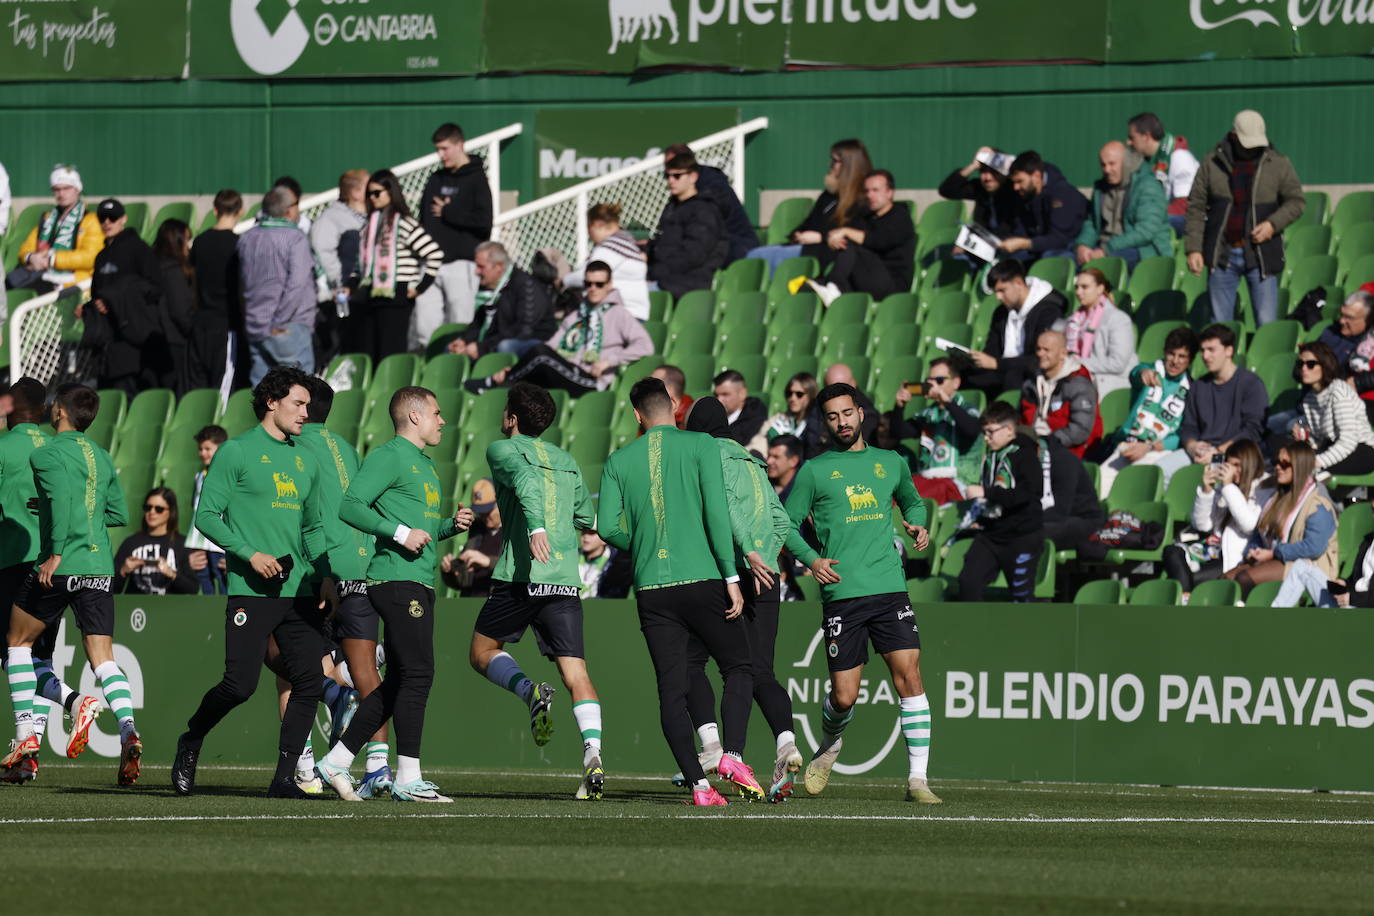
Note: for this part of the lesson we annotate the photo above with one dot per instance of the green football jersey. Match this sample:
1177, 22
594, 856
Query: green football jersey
757, 518
79, 498
348, 549
18, 524
538, 485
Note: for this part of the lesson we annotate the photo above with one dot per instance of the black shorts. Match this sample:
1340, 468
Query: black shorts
11, 578
89, 597
849, 625
356, 618
554, 611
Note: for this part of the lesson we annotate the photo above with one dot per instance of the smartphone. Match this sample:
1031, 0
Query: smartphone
1218, 458
286, 563
916, 389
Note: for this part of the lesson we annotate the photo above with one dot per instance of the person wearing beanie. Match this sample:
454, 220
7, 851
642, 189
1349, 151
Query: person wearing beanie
60, 251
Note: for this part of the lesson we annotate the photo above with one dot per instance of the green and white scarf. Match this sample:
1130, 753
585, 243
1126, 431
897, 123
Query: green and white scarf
486, 301
379, 255
59, 230
582, 340
940, 455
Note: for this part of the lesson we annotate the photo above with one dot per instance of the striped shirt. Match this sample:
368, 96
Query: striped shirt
1337, 420
418, 256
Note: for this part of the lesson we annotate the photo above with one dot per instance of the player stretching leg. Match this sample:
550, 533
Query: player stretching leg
544, 505
79, 496
668, 487
848, 491
396, 497
258, 502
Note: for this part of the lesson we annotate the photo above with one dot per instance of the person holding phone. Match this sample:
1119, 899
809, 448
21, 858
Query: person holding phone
1226, 509
949, 430
259, 503
155, 561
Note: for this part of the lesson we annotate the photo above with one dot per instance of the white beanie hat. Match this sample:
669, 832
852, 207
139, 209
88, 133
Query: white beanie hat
64, 175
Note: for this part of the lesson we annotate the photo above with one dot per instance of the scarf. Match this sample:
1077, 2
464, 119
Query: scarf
59, 230
276, 222
1297, 507
1083, 325
379, 255
590, 571
940, 454
582, 340
486, 302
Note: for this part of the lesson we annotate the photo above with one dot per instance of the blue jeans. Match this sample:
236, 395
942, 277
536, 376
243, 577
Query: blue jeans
1130, 255
775, 255
517, 346
212, 579
1304, 576
293, 347
1223, 282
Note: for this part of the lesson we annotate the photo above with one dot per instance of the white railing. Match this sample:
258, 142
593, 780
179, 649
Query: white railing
43, 342
559, 220
416, 172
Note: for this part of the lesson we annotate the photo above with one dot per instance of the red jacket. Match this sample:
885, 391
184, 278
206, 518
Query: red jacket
1071, 411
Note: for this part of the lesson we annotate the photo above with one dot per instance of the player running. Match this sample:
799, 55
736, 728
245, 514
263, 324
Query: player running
79, 497
759, 527
396, 497
663, 499
544, 506
847, 491
259, 503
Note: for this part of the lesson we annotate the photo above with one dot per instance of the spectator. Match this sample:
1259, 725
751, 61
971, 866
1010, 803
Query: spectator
1029, 306
276, 271
397, 262
784, 457
213, 576
837, 205
676, 384
514, 312
1245, 194
1333, 420
744, 413
170, 360
1070, 507
155, 561
335, 237
219, 314
1158, 395
1052, 210
1127, 219
302, 221
122, 316
689, 245
617, 249
1350, 336
1298, 523
586, 351
470, 571
951, 453
1101, 335
996, 205
876, 253
456, 211
1226, 509
60, 251
1060, 400
1168, 159
1007, 509
1225, 405
715, 187
1358, 591
605, 571
801, 418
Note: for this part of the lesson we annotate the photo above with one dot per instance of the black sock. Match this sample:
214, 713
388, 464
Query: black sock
286, 766
70, 702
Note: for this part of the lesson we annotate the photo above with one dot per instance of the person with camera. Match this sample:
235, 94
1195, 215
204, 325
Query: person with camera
1226, 509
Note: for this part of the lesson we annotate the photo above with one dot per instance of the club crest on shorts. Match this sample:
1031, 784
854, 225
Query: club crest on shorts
240, 618
833, 648
416, 609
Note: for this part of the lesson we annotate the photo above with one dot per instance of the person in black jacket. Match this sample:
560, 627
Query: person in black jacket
123, 312
689, 245
1052, 210
456, 211
167, 352
744, 414
219, 313
514, 313
876, 253
715, 187
1029, 307
1072, 511
1009, 512
996, 205
155, 561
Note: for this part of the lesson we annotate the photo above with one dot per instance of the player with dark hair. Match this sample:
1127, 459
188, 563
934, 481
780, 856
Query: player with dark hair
259, 503
663, 499
848, 492
544, 507
396, 497
78, 497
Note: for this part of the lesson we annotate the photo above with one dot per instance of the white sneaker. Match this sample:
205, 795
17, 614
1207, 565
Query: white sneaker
710, 758
309, 783
789, 760
828, 292
338, 779
818, 770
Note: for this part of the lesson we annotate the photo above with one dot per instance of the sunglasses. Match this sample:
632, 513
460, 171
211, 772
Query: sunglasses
598, 283
671, 176
796, 394
1285, 465
1306, 363
937, 380
835, 160
149, 507
375, 192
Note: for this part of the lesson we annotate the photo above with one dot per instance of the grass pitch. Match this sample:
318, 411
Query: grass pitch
517, 843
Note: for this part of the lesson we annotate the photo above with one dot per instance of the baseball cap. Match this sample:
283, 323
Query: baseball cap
1249, 129
483, 496
109, 210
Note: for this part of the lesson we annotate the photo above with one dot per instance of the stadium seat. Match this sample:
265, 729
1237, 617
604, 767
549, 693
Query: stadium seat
1134, 486
791, 340
1353, 526
593, 409
376, 427
1157, 593
113, 405
1114, 408
798, 309
1361, 272
347, 414
742, 308
451, 409
1182, 490
179, 476
949, 306
1216, 593
699, 369
588, 446
849, 340
846, 312
490, 363
925, 591
1299, 241
889, 374
696, 307
790, 269
1263, 595
1100, 591
898, 308
1151, 275
1057, 272
149, 412
743, 338
660, 304
933, 244
1304, 274
183, 210
786, 216
238, 416
780, 370
443, 335
444, 370
940, 214
960, 333
198, 406
1156, 511
640, 368
943, 274
658, 334
1316, 211
395, 371
752, 366
1357, 242
1355, 207
349, 370
1114, 268
24, 222
137, 213
746, 273
690, 338
1277, 339
1161, 305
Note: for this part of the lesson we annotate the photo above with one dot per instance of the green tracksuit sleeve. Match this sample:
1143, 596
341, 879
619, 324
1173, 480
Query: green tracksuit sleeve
608, 523
313, 537
782, 523
584, 512
510, 469
224, 472
717, 512
373, 479
910, 502
798, 508
47, 477
116, 510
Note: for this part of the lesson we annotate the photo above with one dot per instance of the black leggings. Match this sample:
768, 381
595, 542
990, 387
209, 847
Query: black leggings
407, 609
1360, 461
249, 622
669, 617
546, 367
761, 624
1176, 567
1016, 559
390, 325
857, 269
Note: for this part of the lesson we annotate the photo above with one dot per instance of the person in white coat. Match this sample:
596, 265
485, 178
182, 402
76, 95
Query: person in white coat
618, 250
1101, 335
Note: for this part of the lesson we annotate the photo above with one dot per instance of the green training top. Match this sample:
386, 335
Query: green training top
849, 498
348, 549
398, 485
757, 519
259, 496
79, 497
18, 525
663, 499
538, 485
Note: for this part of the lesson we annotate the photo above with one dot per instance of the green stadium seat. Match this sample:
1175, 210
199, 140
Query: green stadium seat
1161, 305
349, 370
1357, 242
238, 416
1157, 593
183, 210
1114, 408
24, 222
347, 413
136, 480
746, 273
640, 368
588, 446
791, 340
443, 335
490, 363
444, 370
658, 333
1316, 211
925, 591
860, 365
798, 309
743, 338
961, 334
1182, 490
690, 338
593, 409
1156, 511
849, 345
786, 216
1151, 275
149, 412
591, 479
395, 371
1114, 268
1361, 272
896, 309
900, 340
113, 405
792, 268
1355, 207
1135, 485
1305, 274
199, 406
940, 214
1216, 593
752, 366
451, 402
949, 306
375, 429
699, 370
1275, 339
137, 212
179, 476
1057, 272
933, 244
888, 375
739, 307
1100, 591
780, 370
1299, 241
695, 307
660, 304
1263, 595
943, 274
1354, 525
847, 311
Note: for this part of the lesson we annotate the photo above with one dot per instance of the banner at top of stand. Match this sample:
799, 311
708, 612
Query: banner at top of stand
77, 39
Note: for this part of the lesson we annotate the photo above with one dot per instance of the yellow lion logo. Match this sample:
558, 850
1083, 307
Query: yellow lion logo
286, 487
431, 495
860, 497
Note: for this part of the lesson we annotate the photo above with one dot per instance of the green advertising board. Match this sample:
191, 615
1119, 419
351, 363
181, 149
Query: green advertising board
1170, 695
575, 144
71, 39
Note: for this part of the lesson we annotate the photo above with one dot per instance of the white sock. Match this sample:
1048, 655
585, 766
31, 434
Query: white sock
407, 769
504, 671
376, 755
342, 673
41, 709
339, 757
305, 764
702, 786
588, 716
916, 730
23, 684
710, 736
118, 696
784, 739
